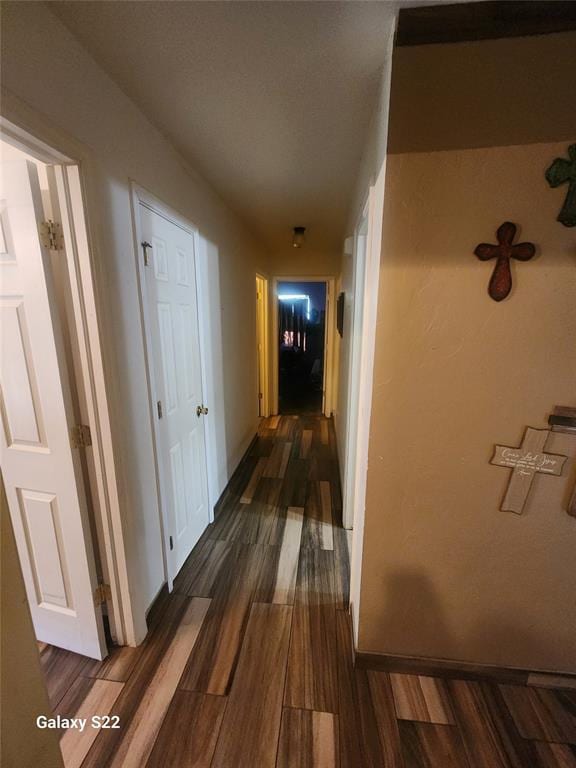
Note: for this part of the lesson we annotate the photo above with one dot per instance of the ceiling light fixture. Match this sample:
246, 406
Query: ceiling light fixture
298, 239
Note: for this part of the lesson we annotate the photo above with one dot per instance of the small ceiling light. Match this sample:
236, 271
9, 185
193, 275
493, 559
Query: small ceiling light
298, 239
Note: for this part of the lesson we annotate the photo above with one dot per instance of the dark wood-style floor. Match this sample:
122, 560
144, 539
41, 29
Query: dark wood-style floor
248, 663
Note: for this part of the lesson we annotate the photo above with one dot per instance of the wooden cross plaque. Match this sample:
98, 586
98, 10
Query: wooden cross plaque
525, 462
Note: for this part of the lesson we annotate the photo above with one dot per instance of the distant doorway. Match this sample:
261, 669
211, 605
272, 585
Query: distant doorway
301, 346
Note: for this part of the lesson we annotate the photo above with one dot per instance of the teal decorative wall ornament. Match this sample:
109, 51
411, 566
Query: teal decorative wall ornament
564, 172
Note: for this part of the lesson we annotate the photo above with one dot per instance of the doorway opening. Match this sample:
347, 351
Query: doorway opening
55, 437
301, 346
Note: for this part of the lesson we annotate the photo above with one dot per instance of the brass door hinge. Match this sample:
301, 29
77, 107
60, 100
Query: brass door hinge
51, 235
80, 436
102, 593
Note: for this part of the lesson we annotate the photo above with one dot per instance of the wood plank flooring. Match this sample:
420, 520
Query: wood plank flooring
248, 663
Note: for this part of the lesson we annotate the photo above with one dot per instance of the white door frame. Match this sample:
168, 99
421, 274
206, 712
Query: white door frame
365, 340
22, 128
328, 384
262, 339
359, 274
141, 196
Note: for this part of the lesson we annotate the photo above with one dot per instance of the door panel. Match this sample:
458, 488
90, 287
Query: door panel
176, 377
21, 412
43, 531
41, 470
187, 332
168, 357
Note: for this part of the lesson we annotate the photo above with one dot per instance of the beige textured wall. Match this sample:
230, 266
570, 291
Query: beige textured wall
488, 93
304, 262
445, 573
23, 691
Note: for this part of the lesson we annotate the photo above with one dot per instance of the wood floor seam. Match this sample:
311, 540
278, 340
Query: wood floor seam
284, 686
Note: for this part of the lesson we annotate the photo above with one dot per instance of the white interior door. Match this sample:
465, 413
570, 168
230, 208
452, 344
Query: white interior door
41, 470
176, 378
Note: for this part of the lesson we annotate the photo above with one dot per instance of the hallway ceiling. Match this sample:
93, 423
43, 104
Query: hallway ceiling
269, 101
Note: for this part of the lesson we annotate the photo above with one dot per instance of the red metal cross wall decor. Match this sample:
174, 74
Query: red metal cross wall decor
501, 280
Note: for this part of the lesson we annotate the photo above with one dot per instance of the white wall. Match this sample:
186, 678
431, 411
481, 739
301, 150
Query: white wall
46, 68
372, 163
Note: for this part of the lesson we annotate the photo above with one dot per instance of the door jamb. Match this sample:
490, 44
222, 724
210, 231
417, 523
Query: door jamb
328, 384
24, 129
140, 195
359, 275
262, 338
375, 209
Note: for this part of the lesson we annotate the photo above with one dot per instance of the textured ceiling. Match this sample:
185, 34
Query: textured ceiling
270, 101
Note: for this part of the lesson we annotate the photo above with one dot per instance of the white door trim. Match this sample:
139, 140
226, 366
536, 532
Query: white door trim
26, 130
375, 212
141, 196
328, 384
355, 332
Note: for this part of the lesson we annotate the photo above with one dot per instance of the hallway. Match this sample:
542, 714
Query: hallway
211, 212
272, 566
248, 663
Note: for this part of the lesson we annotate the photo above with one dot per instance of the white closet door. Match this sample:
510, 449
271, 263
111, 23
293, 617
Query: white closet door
41, 470
170, 279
